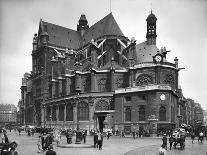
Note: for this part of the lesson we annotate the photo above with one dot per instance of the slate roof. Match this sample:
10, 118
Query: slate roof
106, 26
66, 37
145, 53
62, 36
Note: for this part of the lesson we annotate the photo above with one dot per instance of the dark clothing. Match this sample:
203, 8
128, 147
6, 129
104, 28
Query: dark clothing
164, 141
171, 140
95, 138
6, 139
51, 152
69, 136
100, 141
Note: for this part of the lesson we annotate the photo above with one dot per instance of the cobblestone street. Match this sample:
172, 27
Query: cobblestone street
113, 146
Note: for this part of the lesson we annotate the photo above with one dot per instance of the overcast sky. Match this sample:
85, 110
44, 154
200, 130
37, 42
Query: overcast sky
181, 28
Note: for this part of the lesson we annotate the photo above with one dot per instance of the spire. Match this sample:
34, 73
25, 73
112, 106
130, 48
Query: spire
151, 29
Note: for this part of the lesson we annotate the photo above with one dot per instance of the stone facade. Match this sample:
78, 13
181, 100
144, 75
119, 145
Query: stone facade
95, 77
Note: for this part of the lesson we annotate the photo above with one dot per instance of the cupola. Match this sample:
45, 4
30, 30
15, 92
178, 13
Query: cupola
151, 29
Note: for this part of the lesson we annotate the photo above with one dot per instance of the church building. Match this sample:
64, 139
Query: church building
94, 77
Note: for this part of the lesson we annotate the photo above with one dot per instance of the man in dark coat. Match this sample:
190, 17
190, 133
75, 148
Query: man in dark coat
50, 151
84, 136
95, 138
164, 141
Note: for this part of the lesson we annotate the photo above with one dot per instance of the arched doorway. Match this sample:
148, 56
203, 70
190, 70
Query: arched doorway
101, 110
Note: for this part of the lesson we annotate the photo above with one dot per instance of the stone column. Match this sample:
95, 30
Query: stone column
75, 114
77, 82
93, 82
68, 83
91, 113
65, 113
60, 82
57, 114
53, 89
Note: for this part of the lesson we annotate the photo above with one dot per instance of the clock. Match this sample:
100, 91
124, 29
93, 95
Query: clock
158, 58
162, 97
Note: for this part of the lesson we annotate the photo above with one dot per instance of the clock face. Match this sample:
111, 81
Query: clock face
158, 58
162, 97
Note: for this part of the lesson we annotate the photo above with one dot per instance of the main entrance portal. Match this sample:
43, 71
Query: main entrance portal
101, 123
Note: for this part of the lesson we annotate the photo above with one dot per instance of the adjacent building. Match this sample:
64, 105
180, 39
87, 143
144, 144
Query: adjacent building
94, 77
7, 114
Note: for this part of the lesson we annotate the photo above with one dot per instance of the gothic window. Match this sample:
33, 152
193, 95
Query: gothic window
48, 112
127, 113
50, 90
169, 79
142, 110
144, 79
119, 83
56, 89
64, 87
162, 114
83, 111
102, 85
86, 84
61, 112
101, 106
54, 118
72, 86
69, 112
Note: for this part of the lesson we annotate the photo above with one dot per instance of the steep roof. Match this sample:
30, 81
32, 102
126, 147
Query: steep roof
106, 26
62, 36
145, 53
66, 37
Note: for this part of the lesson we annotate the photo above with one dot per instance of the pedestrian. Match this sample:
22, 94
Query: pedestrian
19, 130
50, 151
192, 134
5, 138
95, 139
171, 140
39, 144
133, 134
84, 136
164, 141
100, 140
107, 135
162, 150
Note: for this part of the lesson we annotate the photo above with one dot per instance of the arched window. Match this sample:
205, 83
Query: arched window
83, 111
162, 114
127, 113
69, 112
54, 118
142, 110
144, 79
48, 110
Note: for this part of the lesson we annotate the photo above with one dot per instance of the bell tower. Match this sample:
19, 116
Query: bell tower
151, 29
82, 24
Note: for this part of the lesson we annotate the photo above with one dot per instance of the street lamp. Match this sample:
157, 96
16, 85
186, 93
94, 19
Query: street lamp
78, 132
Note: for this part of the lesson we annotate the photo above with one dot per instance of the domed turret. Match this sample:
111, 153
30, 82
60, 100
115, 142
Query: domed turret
151, 29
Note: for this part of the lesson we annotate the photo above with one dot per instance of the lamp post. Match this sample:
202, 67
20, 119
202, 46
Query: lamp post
78, 132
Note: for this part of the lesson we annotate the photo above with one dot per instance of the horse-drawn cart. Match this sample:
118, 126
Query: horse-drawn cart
8, 148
